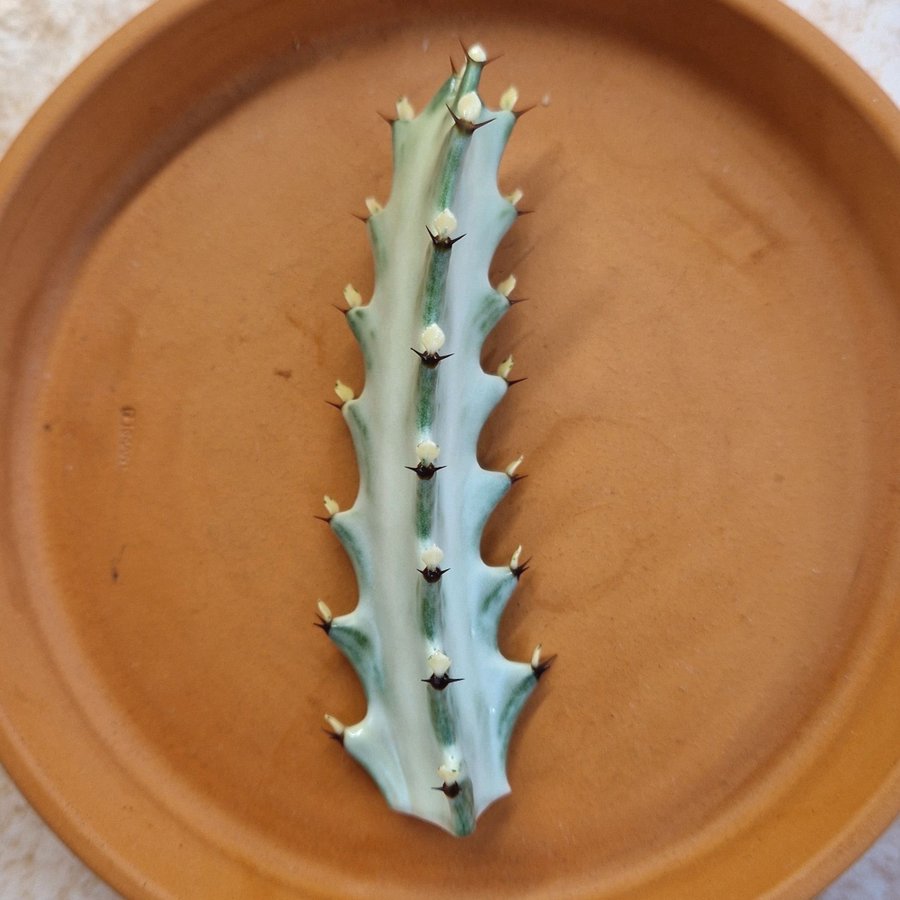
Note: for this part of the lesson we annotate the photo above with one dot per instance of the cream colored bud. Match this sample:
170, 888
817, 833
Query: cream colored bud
507, 286
336, 725
438, 663
325, 611
444, 224
511, 468
432, 339
405, 111
515, 196
344, 392
505, 367
514, 559
469, 107
432, 557
449, 772
427, 452
373, 205
352, 296
331, 506
477, 53
509, 99
536, 656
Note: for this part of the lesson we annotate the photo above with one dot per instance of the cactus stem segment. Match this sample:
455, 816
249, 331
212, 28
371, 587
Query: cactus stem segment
428, 293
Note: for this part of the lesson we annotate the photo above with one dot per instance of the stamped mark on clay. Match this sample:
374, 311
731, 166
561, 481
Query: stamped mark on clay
125, 445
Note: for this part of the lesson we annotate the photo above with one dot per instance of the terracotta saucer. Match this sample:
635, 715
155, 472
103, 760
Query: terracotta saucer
711, 427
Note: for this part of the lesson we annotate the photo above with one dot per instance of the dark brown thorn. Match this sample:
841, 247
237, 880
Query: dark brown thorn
524, 212
453, 69
387, 119
340, 309
518, 113
335, 405
334, 736
442, 243
515, 478
439, 682
520, 570
512, 381
425, 472
542, 666
430, 359
363, 219
432, 576
512, 301
449, 790
324, 624
464, 125
465, 49
325, 519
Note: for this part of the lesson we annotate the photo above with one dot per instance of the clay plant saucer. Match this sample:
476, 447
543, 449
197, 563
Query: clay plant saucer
711, 425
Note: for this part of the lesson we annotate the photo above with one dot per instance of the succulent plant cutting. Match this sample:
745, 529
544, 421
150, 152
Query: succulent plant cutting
442, 699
